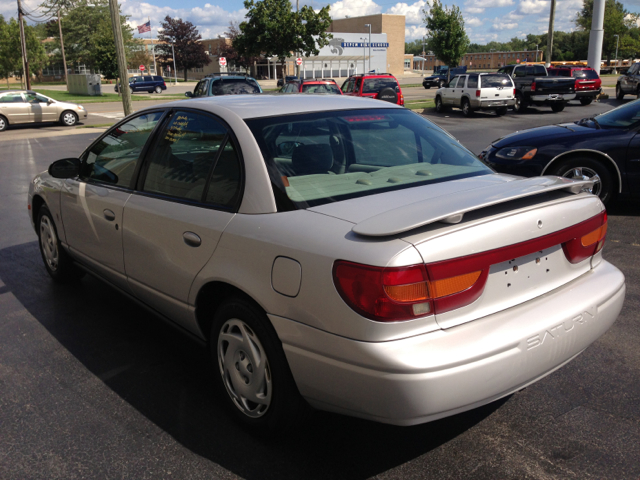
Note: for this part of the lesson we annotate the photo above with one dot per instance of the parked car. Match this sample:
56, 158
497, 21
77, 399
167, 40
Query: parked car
441, 76
588, 83
232, 83
288, 78
339, 252
312, 85
603, 149
145, 83
629, 83
534, 87
27, 106
477, 91
382, 86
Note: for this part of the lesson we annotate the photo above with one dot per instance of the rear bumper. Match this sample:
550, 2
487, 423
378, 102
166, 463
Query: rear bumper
426, 377
552, 98
492, 104
588, 93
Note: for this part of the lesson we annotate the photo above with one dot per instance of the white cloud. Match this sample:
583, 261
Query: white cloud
473, 10
478, 6
473, 22
499, 26
412, 32
354, 8
413, 13
528, 7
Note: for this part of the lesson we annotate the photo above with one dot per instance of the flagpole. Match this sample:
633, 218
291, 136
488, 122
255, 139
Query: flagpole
153, 49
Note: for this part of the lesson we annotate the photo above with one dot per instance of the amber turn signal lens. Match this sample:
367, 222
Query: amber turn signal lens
449, 286
595, 236
408, 293
530, 154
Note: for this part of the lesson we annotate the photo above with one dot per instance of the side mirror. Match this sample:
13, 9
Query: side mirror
65, 168
49, 102
188, 94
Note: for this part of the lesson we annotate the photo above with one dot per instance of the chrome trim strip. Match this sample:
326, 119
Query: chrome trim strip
590, 151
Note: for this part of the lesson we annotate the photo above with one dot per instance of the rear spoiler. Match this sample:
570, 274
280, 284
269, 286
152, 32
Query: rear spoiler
451, 208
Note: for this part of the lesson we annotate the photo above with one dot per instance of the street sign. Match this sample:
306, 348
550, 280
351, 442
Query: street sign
298, 61
141, 67
222, 61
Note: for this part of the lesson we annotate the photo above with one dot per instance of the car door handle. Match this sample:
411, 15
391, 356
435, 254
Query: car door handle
191, 239
109, 215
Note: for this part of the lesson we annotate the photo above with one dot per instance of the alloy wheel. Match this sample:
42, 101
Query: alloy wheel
49, 242
585, 173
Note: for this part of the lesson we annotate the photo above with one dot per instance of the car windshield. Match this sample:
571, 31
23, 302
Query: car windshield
320, 88
624, 116
494, 81
325, 157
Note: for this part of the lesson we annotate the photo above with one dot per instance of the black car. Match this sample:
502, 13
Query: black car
287, 79
146, 83
232, 83
604, 148
441, 76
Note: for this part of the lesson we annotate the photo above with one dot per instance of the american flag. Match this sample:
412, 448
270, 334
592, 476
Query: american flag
144, 28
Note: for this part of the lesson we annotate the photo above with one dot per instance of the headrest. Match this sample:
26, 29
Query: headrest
310, 159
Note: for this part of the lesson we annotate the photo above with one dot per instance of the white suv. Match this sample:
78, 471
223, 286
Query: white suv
477, 91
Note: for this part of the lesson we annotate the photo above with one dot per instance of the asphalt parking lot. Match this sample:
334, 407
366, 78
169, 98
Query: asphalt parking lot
93, 386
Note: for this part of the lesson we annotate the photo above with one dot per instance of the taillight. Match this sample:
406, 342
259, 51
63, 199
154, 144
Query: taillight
589, 240
401, 99
533, 86
514, 92
477, 93
394, 294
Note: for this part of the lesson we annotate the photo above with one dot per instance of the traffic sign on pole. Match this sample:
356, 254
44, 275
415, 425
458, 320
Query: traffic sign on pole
222, 61
141, 67
298, 61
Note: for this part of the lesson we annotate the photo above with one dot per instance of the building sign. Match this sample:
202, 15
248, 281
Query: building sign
364, 44
337, 45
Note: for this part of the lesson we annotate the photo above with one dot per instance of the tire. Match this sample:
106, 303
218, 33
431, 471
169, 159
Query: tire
441, 84
252, 372
586, 101
158, 89
427, 87
4, 123
68, 118
440, 108
56, 259
558, 107
619, 92
131, 90
388, 95
521, 104
501, 111
585, 168
465, 106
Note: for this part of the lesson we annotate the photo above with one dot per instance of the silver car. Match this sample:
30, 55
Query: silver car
477, 91
20, 106
342, 253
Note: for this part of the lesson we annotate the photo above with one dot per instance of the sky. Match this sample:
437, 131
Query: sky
485, 20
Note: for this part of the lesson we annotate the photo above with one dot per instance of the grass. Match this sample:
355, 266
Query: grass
411, 86
420, 104
104, 98
100, 125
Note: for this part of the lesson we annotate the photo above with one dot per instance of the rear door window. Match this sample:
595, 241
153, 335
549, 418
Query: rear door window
472, 81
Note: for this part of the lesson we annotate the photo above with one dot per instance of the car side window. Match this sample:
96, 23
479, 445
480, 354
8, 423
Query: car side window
201, 88
184, 157
11, 98
539, 70
348, 86
472, 81
114, 158
453, 82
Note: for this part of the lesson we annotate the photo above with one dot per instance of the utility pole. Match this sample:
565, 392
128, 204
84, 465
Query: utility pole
64, 59
23, 44
550, 34
369, 25
122, 60
596, 36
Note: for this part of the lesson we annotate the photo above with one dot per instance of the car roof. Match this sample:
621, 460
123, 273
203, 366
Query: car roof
269, 105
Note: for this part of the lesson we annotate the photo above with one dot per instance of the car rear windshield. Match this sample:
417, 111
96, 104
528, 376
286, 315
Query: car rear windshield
321, 88
590, 74
325, 157
375, 85
234, 86
494, 81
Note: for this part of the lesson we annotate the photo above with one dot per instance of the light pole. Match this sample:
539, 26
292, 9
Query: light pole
364, 55
369, 25
536, 52
615, 68
173, 55
424, 54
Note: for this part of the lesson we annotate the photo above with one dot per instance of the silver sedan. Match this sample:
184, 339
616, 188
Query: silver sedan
342, 253
26, 106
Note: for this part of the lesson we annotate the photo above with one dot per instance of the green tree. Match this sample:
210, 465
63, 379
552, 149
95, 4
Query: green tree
617, 21
11, 51
445, 32
87, 30
227, 50
273, 29
190, 53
